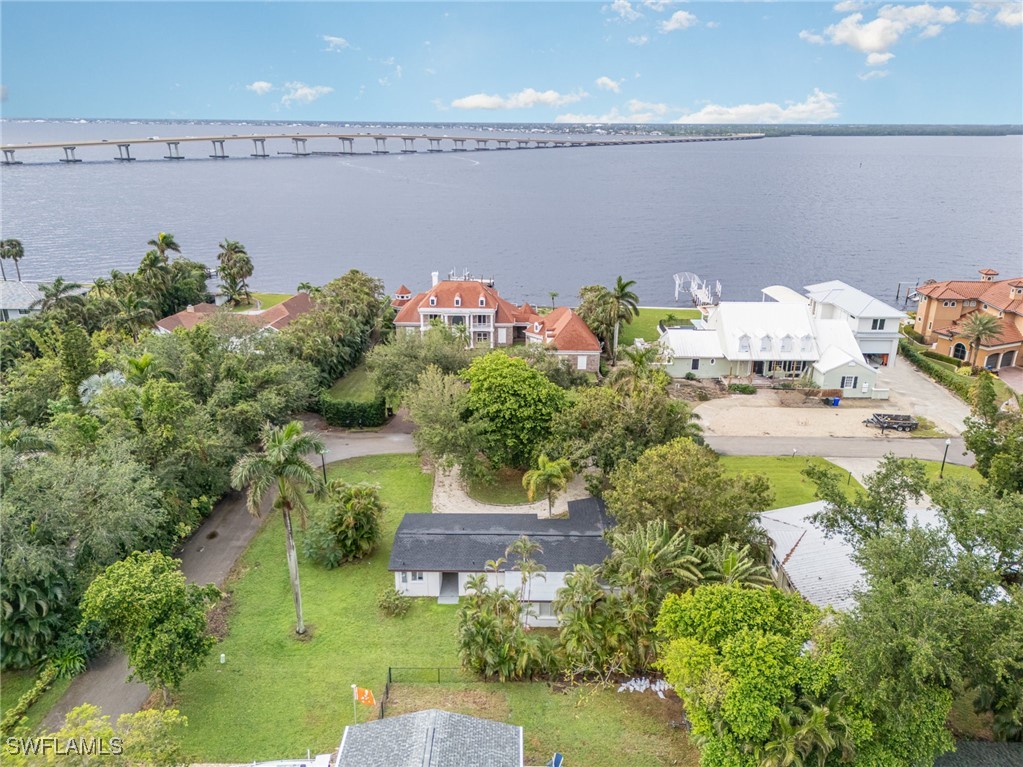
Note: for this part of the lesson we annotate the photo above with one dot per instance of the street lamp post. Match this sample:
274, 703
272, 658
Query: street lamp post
323, 464
941, 474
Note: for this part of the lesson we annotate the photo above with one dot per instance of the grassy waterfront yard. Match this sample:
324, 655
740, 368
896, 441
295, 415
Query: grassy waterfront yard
265, 301
645, 325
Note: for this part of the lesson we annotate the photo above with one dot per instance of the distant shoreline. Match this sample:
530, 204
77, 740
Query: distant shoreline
770, 131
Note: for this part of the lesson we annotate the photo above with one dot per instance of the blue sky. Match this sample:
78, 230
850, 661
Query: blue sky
620, 61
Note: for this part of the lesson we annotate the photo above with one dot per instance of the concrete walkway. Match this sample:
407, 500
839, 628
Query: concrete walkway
844, 447
208, 557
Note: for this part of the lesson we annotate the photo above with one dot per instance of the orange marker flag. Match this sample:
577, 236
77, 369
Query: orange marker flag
365, 697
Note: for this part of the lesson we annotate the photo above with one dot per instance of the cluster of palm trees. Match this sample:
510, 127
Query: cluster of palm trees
11, 250
234, 270
605, 310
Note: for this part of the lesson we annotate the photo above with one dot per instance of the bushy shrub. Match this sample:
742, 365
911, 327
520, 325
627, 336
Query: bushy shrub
908, 331
690, 376
393, 603
742, 388
337, 412
348, 528
941, 357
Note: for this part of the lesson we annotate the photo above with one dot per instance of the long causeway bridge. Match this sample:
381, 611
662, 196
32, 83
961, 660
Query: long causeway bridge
346, 144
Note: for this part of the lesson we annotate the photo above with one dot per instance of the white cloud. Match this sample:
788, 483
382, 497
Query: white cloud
607, 84
624, 10
881, 33
976, 15
384, 81
260, 87
818, 107
879, 59
712, 25
334, 43
635, 106
524, 99
849, 6
873, 74
679, 20
1010, 14
303, 94
638, 39
657, 5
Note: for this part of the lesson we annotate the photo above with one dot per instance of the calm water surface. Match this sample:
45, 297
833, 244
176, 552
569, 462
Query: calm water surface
870, 211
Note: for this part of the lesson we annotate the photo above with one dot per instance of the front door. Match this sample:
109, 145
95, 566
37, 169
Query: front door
758, 368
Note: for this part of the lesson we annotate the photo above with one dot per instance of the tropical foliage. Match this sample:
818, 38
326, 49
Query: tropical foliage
347, 528
549, 478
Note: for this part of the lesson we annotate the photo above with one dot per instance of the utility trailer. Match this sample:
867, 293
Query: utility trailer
892, 421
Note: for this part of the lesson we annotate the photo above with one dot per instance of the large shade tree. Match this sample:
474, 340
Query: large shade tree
281, 466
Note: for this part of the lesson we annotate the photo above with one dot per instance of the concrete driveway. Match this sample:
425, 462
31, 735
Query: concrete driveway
1013, 378
916, 393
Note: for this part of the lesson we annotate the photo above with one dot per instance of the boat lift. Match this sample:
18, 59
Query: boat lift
701, 292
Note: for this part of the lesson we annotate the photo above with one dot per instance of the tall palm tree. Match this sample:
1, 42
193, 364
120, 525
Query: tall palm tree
980, 328
304, 287
58, 294
640, 368
145, 368
133, 315
549, 477
553, 294
282, 466
164, 241
525, 550
625, 307
651, 561
155, 273
14, 250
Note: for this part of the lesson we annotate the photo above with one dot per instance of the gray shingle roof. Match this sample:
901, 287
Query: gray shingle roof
431, 738
979, 754
18, 295
466, 542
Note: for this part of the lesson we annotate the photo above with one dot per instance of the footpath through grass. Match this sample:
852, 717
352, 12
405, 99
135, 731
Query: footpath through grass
790, 487
357, 385
645, 325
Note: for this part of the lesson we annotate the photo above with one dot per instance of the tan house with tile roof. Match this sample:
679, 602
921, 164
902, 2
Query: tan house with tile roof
490, 321
945, 306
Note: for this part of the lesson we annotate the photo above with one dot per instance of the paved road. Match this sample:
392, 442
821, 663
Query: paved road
207, 557
843, 447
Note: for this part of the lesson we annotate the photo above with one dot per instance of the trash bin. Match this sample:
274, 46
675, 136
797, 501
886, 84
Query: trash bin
835, 401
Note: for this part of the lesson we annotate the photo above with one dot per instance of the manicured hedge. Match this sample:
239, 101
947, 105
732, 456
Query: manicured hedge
962, 387
742, 388
343, 412
943, 358
909, 331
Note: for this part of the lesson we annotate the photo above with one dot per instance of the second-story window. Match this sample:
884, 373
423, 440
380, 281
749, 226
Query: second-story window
877, 324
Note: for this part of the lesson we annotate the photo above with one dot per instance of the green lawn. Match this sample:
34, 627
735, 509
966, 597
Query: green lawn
356, 385
505, 488
952, 471
266, 300
645, 325
790, 486
289, 695
14, 684
591, 727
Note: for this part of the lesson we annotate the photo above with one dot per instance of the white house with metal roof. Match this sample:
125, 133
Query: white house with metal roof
777, 340
874, 324
17, 299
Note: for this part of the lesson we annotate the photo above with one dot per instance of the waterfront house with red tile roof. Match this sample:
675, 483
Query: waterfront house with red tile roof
274, 318
474, 307
945, 307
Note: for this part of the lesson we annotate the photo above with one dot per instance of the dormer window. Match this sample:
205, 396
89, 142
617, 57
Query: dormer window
458, 300
765, 344
744, 343
536, 327
786, 343
483, 301
433, 300
806, 343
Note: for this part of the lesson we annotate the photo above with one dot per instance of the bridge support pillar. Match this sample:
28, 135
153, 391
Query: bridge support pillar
69, 155
459, 144
124, 153
173, 151
381, 145
502, 143
218, 149
435, 145
481, 143
9, 158
347, 145
522, 143
408, 144
259, 148
300, 150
